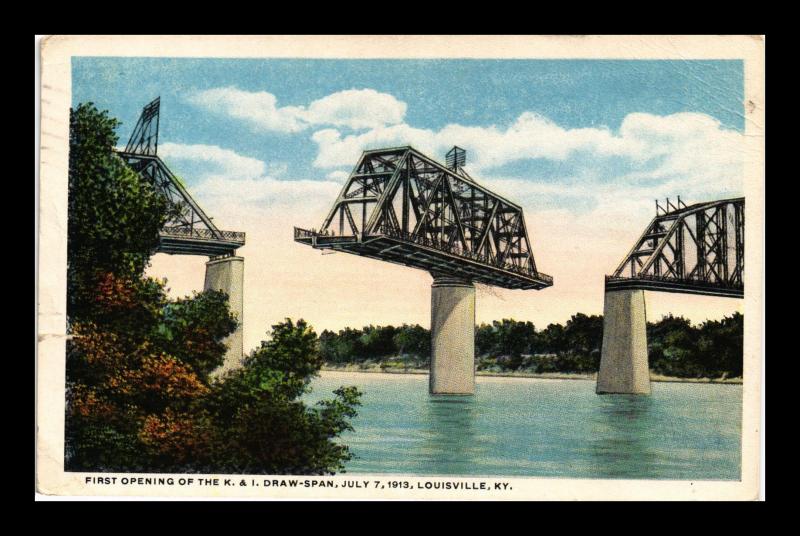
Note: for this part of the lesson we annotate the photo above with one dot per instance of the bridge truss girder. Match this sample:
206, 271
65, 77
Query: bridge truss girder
189, 230
402, 195
697, 249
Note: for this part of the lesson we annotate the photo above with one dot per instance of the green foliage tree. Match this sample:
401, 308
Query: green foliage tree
258, 410
720, 346
140, 392
726, 342
485, 343
114, 215
192, 329
672, 346
553, 340
346, 346
413, 340
713, 349
514, 339
378, 341
585, 336
506, 339
676, 348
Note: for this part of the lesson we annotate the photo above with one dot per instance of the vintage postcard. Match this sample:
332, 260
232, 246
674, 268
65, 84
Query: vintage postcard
401, 267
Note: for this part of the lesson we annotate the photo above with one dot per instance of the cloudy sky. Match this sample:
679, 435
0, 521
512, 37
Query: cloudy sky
584, 146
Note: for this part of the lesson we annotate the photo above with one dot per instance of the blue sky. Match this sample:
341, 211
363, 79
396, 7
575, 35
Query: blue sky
573, 94
583, 146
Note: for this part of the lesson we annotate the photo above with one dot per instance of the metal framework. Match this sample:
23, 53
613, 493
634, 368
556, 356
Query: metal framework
696, 249
189, 231
144, 139
400, 206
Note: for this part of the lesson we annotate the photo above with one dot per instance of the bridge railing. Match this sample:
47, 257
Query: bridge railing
303, 233
328, 235
204, 234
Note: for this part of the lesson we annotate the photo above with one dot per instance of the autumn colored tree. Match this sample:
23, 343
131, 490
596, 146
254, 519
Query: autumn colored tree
136, 374
140, 391
113, 224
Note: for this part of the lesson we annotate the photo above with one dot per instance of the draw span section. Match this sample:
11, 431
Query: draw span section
401, 206
695, 249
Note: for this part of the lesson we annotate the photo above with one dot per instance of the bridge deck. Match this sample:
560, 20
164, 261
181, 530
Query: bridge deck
428, 256
211, 243
664, 284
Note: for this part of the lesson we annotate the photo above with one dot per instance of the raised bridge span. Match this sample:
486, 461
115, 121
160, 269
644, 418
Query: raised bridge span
401, 206
695, 249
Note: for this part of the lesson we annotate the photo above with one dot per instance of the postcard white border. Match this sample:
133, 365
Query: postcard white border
56, 54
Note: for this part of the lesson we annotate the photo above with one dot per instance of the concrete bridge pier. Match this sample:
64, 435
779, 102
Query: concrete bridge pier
452, 336
227, 274
624, 366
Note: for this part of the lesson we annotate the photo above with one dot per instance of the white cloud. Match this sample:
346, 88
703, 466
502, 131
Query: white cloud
352, 108
214, 160
338, 175
266, 191
694, 150
225, 177
530, 136
277, 169
688, 153
356, 108
259, 108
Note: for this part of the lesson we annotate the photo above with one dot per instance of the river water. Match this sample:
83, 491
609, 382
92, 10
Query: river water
542, 428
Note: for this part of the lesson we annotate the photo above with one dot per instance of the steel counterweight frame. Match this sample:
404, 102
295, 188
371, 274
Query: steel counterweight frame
189, 231
401, 206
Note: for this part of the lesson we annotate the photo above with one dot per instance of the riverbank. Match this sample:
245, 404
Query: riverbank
377, 369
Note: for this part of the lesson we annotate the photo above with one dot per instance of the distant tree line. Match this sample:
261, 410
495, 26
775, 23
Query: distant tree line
677, 348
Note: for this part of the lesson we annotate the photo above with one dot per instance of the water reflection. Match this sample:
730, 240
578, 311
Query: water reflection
620, 444
449, 433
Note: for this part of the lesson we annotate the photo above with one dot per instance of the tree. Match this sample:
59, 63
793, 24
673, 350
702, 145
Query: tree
553, 339
123, 374
720, 346
585, 336
265, 427
139, 391
413, 340
114, 215
344, 347
485, 340
327, 340
514, 338
675, 347
378, 341
672, 347
132, 386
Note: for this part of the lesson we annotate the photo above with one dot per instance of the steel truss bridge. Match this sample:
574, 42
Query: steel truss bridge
189, 230
695, 249
401, 206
